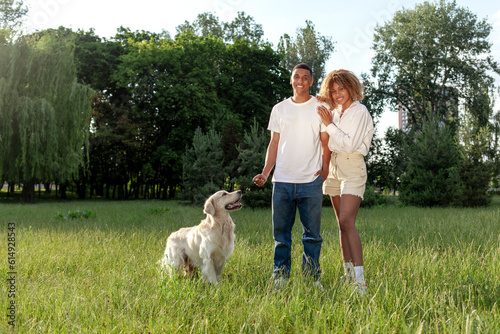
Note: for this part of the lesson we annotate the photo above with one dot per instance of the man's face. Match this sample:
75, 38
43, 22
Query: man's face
301, 80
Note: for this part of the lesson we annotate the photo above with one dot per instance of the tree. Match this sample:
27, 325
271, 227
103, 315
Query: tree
432, 58
393, 160
309, 47
474, 170
117, 153
44, 112
11, 14
243, 27
203, 171
251, 157
207, 24
494, 149
431, 177
171, 89
176, 86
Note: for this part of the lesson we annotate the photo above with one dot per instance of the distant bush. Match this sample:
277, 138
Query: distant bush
372, 198
76, 214
258, 199
158, 211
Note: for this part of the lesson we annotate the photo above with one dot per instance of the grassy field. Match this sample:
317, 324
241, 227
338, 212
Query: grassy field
428, 271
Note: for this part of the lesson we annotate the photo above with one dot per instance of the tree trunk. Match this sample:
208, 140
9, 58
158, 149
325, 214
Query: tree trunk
63, 190
29, 192
121, 192
11, 188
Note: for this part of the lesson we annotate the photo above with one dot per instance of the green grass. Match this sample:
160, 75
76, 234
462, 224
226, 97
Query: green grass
428, 271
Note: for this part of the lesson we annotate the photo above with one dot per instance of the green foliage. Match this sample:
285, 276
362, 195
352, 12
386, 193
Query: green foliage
430, 178
158, 211
44, 112
429, 58
84, 214
203, 170
475, 172
252, 154
196, 82
309, 47
207, 24
391, 160
372, 198
494, 145
431, 61
11, 14
444, 171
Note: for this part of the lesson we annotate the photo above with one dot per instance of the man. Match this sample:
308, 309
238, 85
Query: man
299, 151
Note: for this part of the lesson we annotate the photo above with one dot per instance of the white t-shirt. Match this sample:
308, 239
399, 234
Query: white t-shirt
353, 132
299, 149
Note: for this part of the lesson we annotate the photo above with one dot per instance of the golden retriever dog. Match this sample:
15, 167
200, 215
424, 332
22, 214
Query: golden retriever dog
208, 245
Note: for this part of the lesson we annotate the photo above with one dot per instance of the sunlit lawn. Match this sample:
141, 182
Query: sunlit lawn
428, 270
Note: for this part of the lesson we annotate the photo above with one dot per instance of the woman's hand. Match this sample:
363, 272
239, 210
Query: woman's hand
325, 114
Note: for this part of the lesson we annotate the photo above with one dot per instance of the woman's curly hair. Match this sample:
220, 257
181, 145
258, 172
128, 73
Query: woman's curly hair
345, 79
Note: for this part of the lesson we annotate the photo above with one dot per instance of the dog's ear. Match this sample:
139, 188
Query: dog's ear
209, 208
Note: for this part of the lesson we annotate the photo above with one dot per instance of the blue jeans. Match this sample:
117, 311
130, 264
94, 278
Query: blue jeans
308, 198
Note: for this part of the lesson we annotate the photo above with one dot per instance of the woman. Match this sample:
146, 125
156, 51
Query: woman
350, 127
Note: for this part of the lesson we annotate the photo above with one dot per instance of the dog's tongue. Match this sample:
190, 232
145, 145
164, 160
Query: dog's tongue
232, 206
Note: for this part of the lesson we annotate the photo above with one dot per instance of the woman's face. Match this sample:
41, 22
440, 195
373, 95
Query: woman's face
341, 96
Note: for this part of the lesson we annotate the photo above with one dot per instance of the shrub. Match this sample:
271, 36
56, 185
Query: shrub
372, 198
76, 214
252, 154
203, 171
431, 176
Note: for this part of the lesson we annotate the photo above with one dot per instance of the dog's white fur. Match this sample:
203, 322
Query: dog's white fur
207, 245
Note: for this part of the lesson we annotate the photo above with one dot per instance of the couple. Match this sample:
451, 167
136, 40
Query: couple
316, 151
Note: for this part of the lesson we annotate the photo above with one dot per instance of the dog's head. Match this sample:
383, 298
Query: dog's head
222, 202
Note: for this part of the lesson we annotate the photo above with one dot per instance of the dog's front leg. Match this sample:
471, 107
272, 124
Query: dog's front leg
219, 266
208, 271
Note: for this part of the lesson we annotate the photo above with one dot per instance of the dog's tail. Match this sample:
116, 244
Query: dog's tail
165, 266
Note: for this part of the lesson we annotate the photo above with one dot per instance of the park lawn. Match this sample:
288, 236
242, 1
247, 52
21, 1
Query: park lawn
428, 271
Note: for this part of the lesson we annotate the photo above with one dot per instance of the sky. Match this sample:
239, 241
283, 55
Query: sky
350, 24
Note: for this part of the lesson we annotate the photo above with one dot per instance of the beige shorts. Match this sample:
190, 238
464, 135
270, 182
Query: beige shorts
346, 175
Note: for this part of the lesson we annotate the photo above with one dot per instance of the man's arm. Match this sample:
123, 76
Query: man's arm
271, 154
326, 155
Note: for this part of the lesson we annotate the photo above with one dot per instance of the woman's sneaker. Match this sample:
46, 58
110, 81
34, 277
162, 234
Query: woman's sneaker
346, 280
360, 288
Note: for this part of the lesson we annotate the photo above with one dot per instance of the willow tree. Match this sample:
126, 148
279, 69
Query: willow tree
12, 13
44, 112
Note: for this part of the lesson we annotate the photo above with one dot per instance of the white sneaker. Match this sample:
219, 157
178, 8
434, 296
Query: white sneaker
280, 283
318, 286
346, 280
360, 288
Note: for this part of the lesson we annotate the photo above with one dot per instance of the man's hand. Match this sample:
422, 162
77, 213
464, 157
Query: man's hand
260, 179
324, 174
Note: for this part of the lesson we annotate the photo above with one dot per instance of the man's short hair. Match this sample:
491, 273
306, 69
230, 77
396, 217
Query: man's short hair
304, 67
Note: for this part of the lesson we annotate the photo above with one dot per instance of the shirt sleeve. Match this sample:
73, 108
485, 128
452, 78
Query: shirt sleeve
273, 121
355, 136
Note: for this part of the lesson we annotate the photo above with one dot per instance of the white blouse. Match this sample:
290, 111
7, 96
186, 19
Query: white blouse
353, 132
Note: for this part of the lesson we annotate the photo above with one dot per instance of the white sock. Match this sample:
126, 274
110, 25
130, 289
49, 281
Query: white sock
359, 274
348, 269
